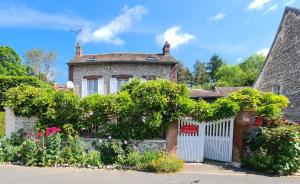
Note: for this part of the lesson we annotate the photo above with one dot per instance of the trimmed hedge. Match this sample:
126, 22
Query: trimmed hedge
7, 82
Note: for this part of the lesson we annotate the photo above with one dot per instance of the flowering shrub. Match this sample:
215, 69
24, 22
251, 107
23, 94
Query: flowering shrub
275, 149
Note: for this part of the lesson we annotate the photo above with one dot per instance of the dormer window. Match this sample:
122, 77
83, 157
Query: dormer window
91, 59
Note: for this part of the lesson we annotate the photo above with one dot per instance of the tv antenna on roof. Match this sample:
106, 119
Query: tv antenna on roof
76, 31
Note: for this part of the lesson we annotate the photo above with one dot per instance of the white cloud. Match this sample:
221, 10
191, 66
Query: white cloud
29, 18
217, 17
264, 51
288, 2
258, 4
109, 33
174, 37
272, 8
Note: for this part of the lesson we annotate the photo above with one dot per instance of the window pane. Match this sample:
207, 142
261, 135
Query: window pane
92, 86
120, 82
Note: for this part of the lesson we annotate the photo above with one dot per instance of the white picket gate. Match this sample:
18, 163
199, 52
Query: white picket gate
190, 145
212, 140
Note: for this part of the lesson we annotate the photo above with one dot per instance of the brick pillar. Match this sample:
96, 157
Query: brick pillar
171, 137
244, 122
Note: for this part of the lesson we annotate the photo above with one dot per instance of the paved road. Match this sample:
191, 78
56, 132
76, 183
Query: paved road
26, 175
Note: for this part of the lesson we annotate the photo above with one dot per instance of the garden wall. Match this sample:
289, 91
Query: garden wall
14, 123
141, 146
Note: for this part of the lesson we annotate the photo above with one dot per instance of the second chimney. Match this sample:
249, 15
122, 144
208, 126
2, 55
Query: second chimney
78, 50
166, 49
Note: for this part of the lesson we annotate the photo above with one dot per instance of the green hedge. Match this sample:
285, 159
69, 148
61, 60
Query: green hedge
7, 82
140, 110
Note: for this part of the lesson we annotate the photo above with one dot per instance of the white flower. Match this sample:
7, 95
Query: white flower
125, 142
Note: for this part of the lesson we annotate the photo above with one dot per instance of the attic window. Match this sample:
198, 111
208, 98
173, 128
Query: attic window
91, 59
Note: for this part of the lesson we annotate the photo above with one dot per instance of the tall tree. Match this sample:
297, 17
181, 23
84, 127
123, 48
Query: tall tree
214, 63
200, 74
40, 63
230, 75
251, 68
184, 76
10, 62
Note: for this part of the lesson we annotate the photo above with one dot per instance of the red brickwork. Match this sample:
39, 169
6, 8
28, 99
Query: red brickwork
171, 138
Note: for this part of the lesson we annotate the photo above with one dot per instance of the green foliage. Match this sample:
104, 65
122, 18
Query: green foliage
263, 104
224, 108
28, 100
93, 158
154, 161
7, 82
10, 62
251, 68
213, 65
165, 163
230, 75
2, 124
275, 149
73, 150
271, 105
184, 76
112, 152
200, 73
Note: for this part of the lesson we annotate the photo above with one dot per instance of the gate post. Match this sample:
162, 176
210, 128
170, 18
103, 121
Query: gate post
171, 137
244, 122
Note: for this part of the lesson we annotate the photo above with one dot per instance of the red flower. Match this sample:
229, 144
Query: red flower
52, 131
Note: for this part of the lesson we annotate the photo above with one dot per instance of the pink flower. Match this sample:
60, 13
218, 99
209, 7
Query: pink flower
109, 137
52, 131
18, 154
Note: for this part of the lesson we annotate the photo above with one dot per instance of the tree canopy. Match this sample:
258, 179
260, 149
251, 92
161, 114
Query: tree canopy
10, 62
40, 63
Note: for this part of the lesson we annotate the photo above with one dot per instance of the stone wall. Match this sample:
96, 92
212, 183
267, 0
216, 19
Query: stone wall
14, 123
107, 70
141, 146
283, 65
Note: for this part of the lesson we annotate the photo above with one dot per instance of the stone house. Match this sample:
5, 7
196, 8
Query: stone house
105, 73
281, 71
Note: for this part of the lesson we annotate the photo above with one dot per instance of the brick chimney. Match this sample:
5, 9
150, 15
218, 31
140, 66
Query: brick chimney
166, 49
78, 50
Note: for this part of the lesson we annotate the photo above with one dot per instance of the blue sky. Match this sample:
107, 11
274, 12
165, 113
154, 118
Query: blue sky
196, 29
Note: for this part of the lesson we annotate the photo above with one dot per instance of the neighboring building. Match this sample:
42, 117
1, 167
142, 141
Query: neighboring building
105, 73
281, 71
211, 96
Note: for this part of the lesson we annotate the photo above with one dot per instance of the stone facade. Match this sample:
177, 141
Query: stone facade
106, 71
281, 73
111, 70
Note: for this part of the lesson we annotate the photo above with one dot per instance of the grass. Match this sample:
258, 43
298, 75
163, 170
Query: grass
2, 124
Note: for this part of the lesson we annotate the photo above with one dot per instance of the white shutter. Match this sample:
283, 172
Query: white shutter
101, 86
83, 87
113, 85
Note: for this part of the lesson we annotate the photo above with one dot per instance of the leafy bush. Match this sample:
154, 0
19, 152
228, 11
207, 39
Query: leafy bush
74, 150
166, 163
154, 161
112, 152
2, 124
93, 158
276, 149
7, 82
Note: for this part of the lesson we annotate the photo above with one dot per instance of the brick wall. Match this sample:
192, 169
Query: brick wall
171, 138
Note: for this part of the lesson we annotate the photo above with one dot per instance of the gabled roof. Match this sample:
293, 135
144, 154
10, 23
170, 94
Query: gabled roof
123, 58
286, 10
